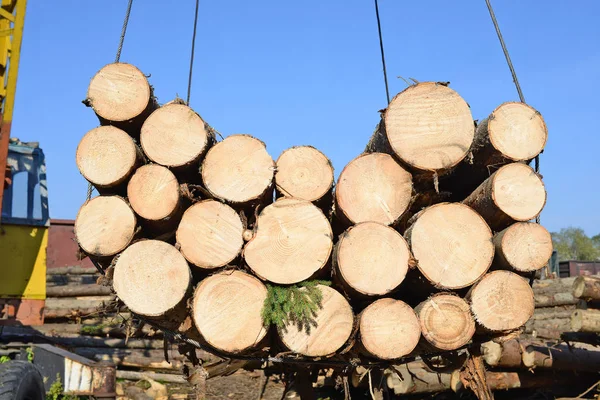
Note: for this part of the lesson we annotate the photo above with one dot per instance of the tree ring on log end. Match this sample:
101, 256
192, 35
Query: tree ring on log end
333, 324
518, 191
372, 258
106, 156
174, 136
429, 126
293, 240
238, 169
151, 277
526, 246
446, 321
227, 310
303, 172
517, 131
373, 187
210, 234
452, 245
119, 92
389, 329
502, 301
104, 226
153, 192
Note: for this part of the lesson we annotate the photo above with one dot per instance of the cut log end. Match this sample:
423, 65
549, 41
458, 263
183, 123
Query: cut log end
585, 321
333, 324
587, 288
238, 169
429, 126
452, 245
153, 192
119, 92
492, 353
210, 234
446, 321
517, 131
227, 308
106, 156
373, 187
523, 246
372, 259
151, 277
303, 172
104, 226
292, 242
389, 329
518, 191
502, 301
175, 136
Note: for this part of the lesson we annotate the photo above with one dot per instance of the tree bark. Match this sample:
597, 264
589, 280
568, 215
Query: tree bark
226, 309
501, 301
425, 142
121, 96
446, 321
587, 288
513, 193
210, 234
303, 245
522, 247
562, 358
176, 137
329, 330
503, 355
370, 259
414, 378
585, 321
372, 187
554, 292
77, 290
305, 173
104, 226
452, 245
388, 329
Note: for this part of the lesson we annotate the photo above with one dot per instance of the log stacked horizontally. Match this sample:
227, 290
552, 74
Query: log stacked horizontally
407, 262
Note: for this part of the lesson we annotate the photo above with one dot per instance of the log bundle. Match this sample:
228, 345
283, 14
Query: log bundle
202, 236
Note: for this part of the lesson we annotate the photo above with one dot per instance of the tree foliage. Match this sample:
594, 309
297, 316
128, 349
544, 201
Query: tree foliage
574, 244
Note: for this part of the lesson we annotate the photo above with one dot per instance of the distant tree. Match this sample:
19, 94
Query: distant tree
574, 244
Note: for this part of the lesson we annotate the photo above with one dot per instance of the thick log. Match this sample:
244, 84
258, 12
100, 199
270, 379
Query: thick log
554, 292
153, 193
305, 173
522, 247
550, 322
239, 170
152, 278
513, 132
585, 321
210, 234
330, 329
452, 245
428, 127
503, 355
175, 136
414, 378
388, 329
107, 157
302, 245
372, 187
513, 193
562, 357
104, 226
587, 288
226, 309
120, 95
370, 259
446, 321
501, 301
78, 290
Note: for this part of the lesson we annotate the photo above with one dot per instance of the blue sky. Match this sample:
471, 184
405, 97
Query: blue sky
309, 72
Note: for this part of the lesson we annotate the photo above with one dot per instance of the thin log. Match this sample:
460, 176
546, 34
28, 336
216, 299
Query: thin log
503, 355
522, 247
587, 288
77, 290
513, 193
562, 358
414, 378
142, 359
303, 242
514, 380
156, 376
585, 321
71, 270
452, 245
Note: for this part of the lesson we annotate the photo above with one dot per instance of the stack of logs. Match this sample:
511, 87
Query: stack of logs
426, 239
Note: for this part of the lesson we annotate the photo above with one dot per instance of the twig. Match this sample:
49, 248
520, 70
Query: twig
587, 391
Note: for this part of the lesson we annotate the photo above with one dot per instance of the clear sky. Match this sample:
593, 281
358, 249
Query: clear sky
309, 72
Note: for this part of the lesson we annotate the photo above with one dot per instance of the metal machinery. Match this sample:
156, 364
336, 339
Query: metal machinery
24, 226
